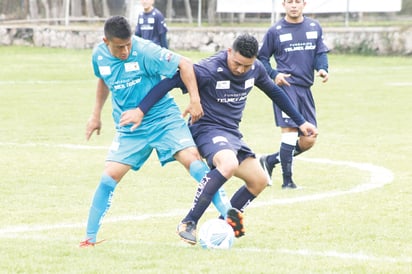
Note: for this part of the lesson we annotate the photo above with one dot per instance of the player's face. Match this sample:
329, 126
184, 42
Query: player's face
147, 4
119, 48
237, 63
294, 9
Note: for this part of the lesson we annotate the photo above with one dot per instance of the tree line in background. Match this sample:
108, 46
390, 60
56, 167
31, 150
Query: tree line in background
57, 9
174, 10
35, 9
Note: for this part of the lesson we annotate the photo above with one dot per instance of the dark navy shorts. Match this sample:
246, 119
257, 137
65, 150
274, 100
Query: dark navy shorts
302, 98
212, 140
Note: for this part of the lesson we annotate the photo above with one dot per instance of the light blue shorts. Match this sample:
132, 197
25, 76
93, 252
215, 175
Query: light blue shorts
168, 136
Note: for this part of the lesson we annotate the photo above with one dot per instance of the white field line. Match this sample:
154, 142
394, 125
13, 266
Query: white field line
68, 146
379, 176
399, 84
42, 82
344, 256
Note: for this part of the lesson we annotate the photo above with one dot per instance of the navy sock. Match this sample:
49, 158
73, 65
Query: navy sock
286, 158
209, 185
242, 198
274, 159
198, 169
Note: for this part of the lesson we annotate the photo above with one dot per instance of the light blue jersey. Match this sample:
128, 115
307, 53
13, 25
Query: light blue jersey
130, 80
162, 128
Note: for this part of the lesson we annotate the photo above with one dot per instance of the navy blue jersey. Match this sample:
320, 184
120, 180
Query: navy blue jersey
294, 47
223, 95
151, 26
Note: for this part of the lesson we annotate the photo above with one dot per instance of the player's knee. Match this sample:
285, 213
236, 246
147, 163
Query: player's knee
228, 168
187, 156
306, 143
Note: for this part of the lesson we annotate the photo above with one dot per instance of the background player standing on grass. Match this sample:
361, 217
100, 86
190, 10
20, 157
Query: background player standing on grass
296, 43
128, 67
151, 24
225, 81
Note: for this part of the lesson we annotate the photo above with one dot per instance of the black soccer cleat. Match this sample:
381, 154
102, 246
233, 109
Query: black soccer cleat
289, 184
187, 232
266, 168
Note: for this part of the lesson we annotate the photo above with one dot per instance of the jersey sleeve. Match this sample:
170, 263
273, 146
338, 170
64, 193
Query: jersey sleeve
137, 30
320, 44
266, 51
161, 61
159, 91
96, 70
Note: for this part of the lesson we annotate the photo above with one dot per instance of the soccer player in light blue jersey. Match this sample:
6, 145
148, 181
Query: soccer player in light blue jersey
225, 81
296, 44
128, 67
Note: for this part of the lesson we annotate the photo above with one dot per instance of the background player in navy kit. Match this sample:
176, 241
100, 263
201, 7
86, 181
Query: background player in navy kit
296, 43
151, 24
225, 81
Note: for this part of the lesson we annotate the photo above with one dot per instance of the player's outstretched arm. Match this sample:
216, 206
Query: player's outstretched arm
187, 74
135, 116
94, 123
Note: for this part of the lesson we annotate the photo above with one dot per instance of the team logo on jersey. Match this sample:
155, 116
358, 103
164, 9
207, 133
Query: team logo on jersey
312, 35
105, 70
131, 66
249, 83
285, 37
166, 55
223, 84
151, 20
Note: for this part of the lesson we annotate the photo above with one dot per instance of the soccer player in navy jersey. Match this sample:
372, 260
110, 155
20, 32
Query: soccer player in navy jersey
296, 43
128, 67
224, 82
151, 24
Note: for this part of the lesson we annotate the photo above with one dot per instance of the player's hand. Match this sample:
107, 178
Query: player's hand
132, 116
324, 75
280, 79
93, 124
196, 111
309, 129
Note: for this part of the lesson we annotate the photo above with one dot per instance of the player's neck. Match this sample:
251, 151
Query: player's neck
149, 9
294, 20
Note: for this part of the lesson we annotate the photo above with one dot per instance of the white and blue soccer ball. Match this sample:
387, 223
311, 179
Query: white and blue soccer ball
216, 234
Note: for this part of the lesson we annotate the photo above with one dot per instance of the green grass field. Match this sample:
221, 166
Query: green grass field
353, 213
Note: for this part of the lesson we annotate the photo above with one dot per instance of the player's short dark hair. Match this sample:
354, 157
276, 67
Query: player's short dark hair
117, 26
246, 45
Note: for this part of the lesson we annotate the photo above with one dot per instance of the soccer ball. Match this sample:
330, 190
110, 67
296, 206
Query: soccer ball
216, 234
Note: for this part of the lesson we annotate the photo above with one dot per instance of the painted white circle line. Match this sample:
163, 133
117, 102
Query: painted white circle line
379, 176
